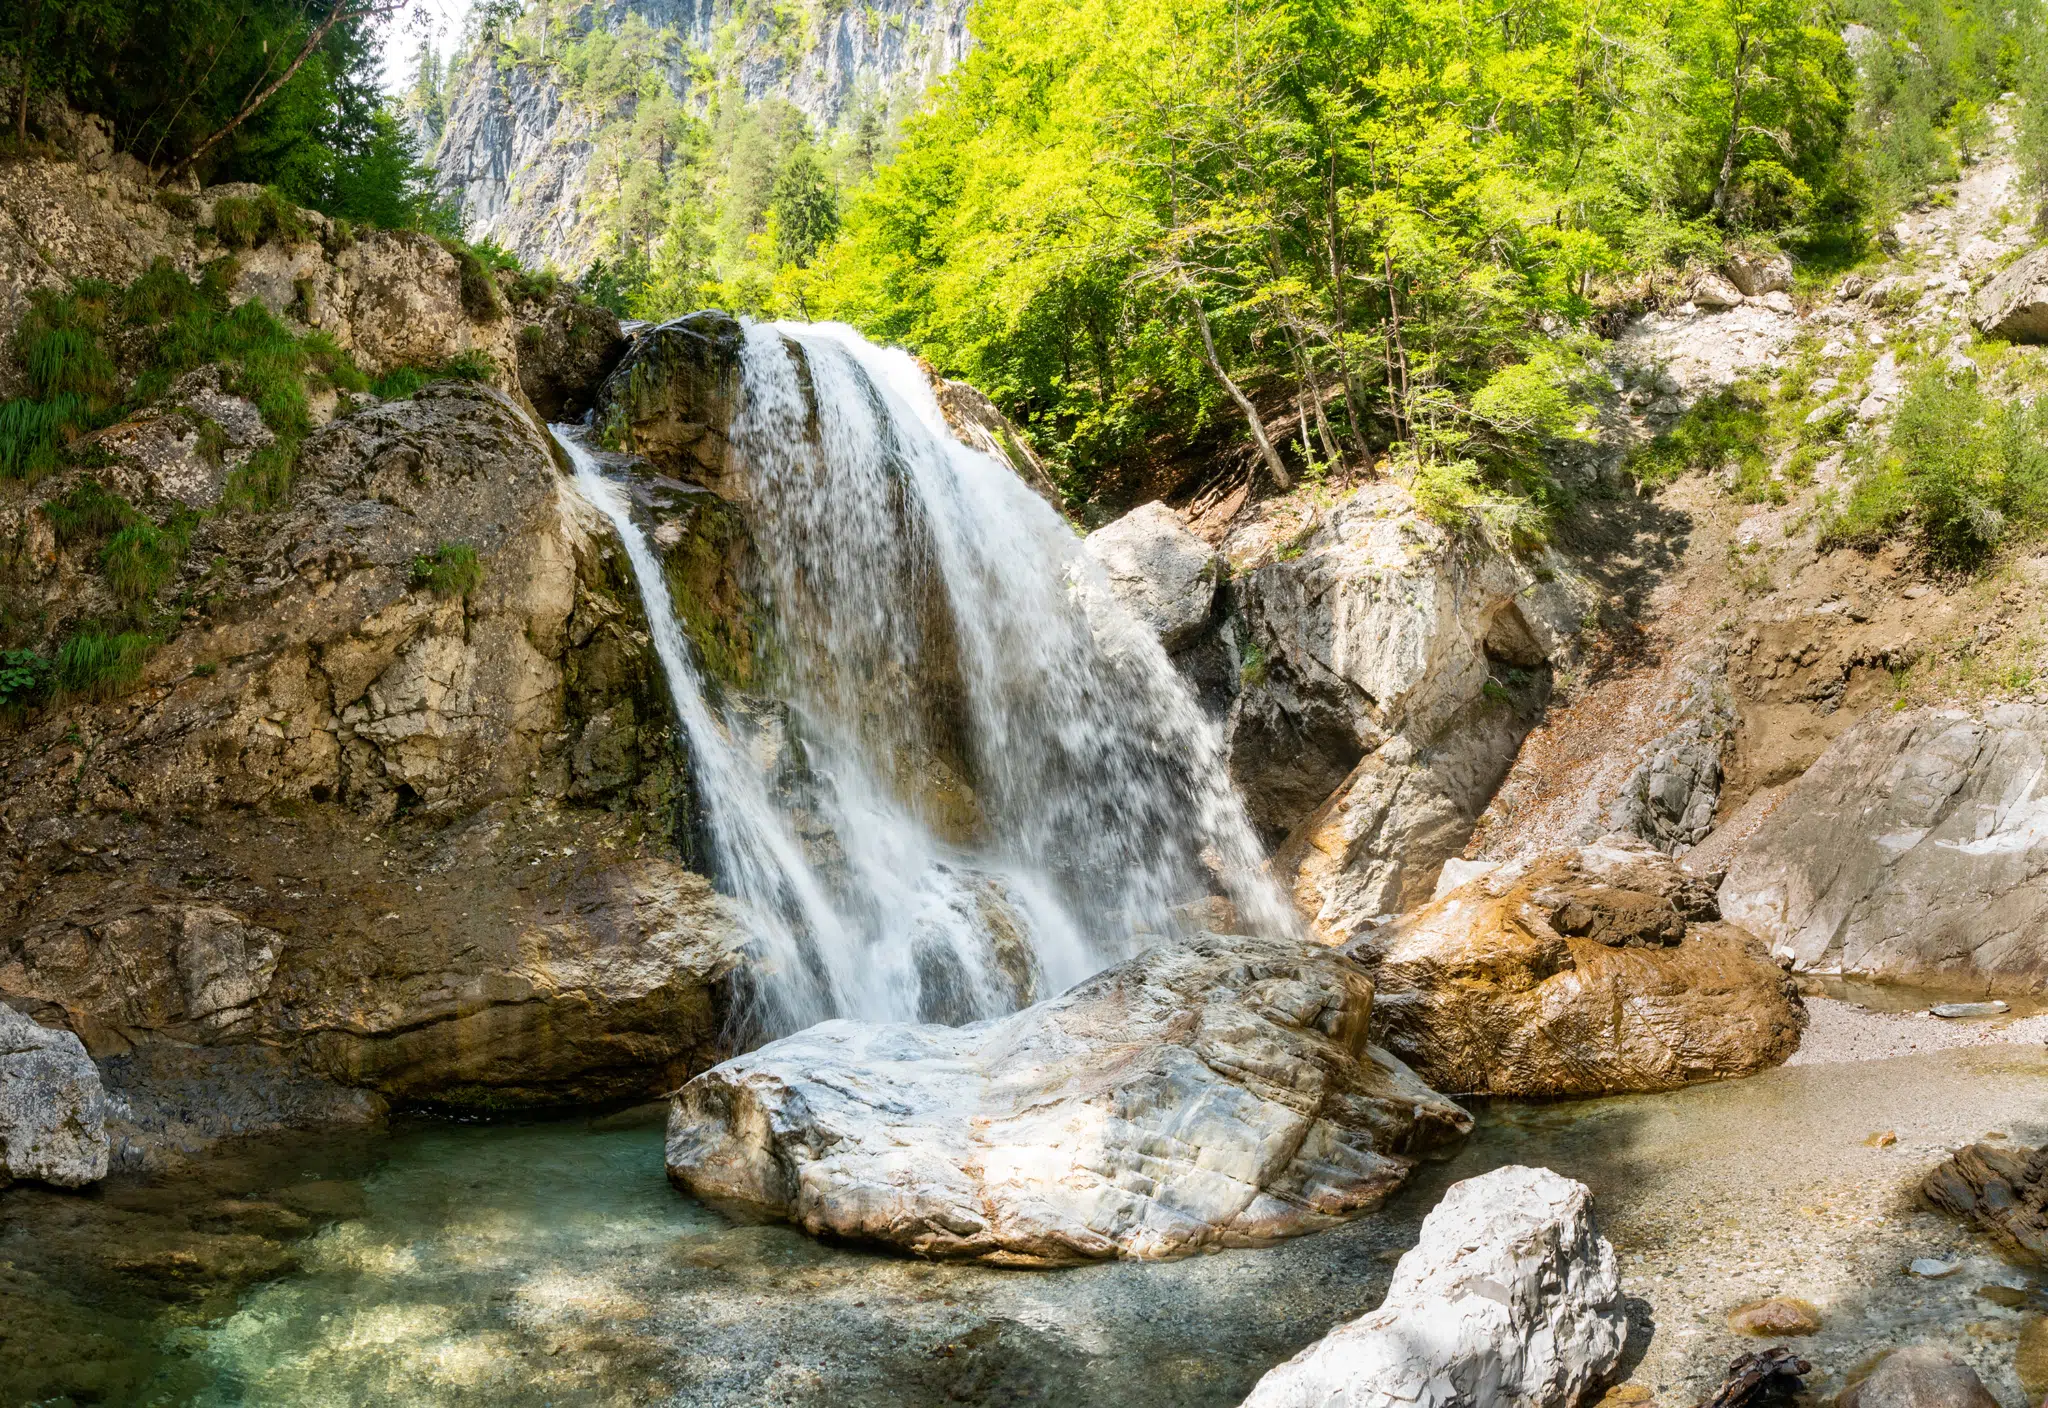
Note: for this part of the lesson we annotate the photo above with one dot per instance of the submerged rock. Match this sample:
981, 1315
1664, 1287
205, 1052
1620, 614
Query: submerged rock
1912, 850
1775, 1317
1510, 1297
1219, 1093
2004, 1191
1591, 971
52, 1109
1919, 1376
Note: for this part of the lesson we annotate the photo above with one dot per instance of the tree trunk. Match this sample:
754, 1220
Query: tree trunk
28, 50
1734, 130
1337, 318
1244, 404
263, 95
1397, 355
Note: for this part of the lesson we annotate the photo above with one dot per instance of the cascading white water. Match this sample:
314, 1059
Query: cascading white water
938, 632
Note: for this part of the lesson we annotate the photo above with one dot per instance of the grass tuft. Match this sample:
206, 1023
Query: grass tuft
451, 570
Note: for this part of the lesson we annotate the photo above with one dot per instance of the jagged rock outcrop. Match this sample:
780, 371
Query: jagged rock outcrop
1914, 850
1391, 669
1510, 1297
2014, 305
1165, 575
1583, 973
1220, 1093
2002, 1190
420, 837
52, 1109
517, 153
388, 298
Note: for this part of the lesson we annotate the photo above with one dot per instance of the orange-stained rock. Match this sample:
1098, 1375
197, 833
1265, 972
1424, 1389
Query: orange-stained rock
1591, 971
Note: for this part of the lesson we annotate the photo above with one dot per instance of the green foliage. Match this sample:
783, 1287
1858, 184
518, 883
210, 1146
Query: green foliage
452, 569
399, 383
480, 297
1728, 428
1962, 471
98, 664
89, 511
25, 678
32, 433
259, 220
58, 346
140, 559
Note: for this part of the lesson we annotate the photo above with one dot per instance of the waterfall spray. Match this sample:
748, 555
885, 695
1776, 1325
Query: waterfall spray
1008, 786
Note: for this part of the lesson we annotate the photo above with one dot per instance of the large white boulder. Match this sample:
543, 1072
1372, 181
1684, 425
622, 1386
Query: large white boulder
2014, 305
1915, 849
1163, 574
1510, 1299
1211, 1094
53, 1110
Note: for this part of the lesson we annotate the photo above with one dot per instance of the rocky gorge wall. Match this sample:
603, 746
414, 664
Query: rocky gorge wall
515, 151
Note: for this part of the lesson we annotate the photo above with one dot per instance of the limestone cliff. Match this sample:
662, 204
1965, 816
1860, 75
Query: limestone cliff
518, 154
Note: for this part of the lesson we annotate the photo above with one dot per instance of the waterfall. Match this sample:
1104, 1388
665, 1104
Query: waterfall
1005, 785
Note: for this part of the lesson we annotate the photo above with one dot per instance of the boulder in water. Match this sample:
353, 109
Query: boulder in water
1164, 574
2004, 1191
1212, 1094
1591, 971
1919, 1376
52, 1109
1510, 1297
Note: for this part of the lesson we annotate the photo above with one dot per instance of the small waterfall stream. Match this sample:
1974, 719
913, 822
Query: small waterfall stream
938, 632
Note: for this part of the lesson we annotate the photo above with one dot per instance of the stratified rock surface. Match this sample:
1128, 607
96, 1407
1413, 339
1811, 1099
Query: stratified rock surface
1915, 849
52, 1109
2003, 1190
1164, 574
1591, 971
1220, 1093
1510, 1298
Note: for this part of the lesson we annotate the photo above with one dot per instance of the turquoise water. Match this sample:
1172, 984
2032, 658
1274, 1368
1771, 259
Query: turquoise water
552, 1263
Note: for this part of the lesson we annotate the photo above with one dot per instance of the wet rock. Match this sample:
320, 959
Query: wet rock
1589, 971
1920, 1376
1165, 575
1775, 1318
671, 400
1911, 850
980, 424
2002, 1191
566, 349
2030, 1360
2014, 305
1510, 1296
52, 1109
1221, 1093
1933, 1268
1968, 1009
1752, 1379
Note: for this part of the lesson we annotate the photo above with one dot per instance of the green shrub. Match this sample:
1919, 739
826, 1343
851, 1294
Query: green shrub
1963, 471
96, 664
178, 205
33, 433
160, 292
480, 297
1728, 427
58, 345
265, 482
24, 679
399, 383
471, 365
88, 511
451, 570
264, 217
141, 558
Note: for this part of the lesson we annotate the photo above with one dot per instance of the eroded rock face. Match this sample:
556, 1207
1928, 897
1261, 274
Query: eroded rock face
2014, 305
52, 1109
1165, 575
1222, 1093
1510, 1297
672, 399
1587, 972
1391, 670
1914, 849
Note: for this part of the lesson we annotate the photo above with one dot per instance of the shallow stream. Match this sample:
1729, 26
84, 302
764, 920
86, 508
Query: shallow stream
551, 1263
